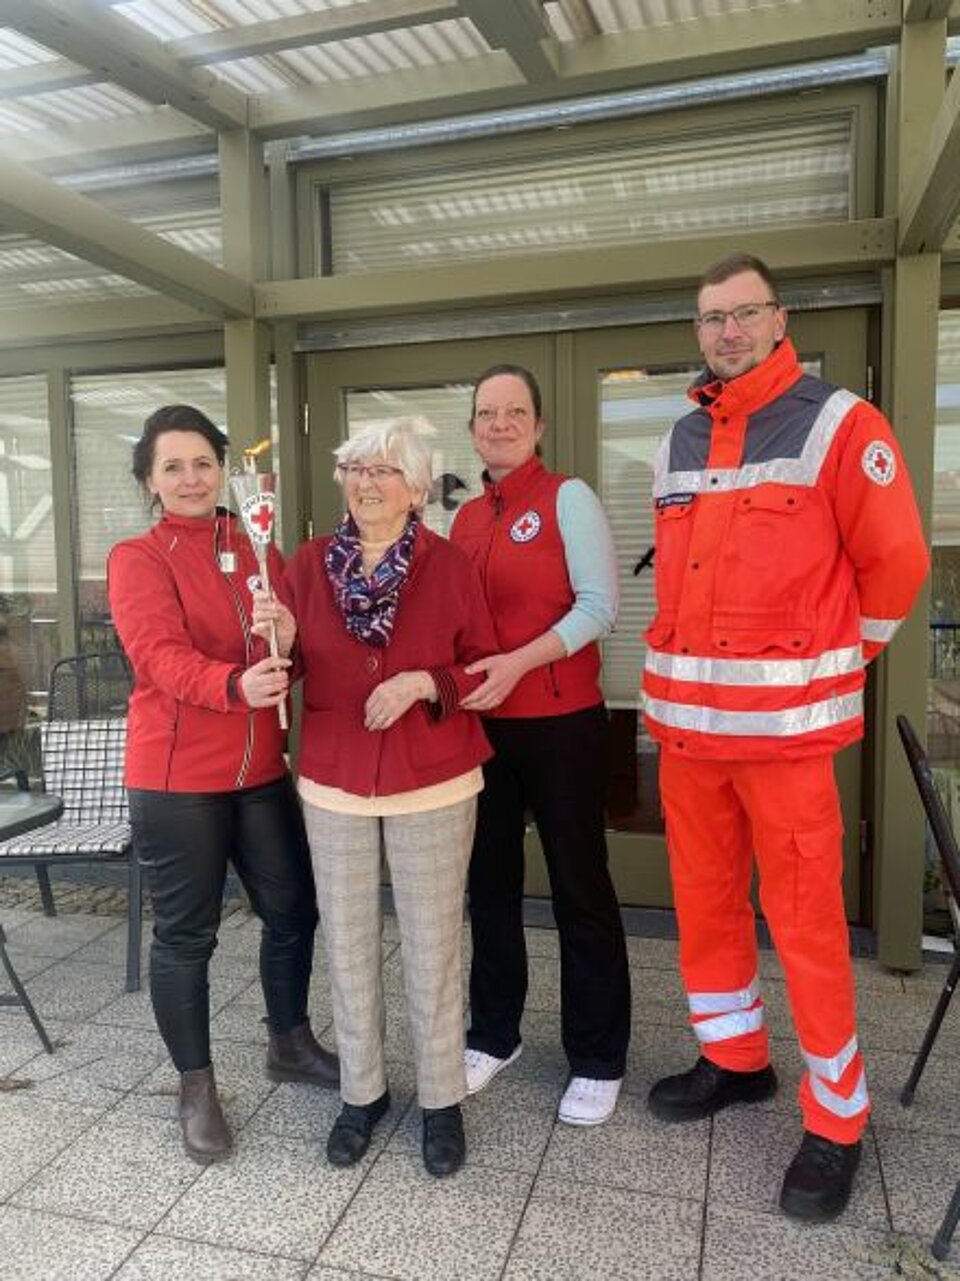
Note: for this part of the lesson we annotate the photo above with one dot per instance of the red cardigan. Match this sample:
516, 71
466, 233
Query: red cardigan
442, 624
185, 626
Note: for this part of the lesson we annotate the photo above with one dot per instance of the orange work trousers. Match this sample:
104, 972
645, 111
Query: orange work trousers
720, 815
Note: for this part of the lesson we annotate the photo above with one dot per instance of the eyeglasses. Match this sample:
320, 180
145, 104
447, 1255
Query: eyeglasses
746, 317
515, 414
376, 471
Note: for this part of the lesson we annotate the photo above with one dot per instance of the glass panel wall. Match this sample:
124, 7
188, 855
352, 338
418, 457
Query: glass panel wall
108, 415
615, 195
29, 606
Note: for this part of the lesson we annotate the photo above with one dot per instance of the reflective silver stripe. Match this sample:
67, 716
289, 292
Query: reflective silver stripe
724, 1002
845, 1108
661, 465
879, 629
733, 671
832, 1069
785, 724
726, 1026
784, 471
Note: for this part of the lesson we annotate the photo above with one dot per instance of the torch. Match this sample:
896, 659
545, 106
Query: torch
255, 493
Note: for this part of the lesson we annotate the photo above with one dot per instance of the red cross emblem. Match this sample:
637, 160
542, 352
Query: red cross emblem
526, 527
257, 513
879, 463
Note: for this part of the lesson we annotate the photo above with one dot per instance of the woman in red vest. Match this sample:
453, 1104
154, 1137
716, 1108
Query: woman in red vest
545, 554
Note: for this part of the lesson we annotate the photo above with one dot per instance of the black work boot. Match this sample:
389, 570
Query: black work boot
206, 1135
297, 1055
706, 1089
819, 1179
352, 1130
444, 1143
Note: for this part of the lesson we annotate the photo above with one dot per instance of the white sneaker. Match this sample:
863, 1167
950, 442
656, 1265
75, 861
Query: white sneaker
481, 1068
589, 1102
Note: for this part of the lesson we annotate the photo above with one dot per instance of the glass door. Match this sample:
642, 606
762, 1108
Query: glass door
629, 386
609, 395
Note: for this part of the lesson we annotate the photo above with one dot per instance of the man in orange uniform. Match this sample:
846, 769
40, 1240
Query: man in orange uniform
788, 551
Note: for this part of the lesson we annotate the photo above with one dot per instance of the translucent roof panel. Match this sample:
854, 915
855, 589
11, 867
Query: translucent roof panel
577, 19
63, 107
35, 274
176, 19
20, 51
453, 40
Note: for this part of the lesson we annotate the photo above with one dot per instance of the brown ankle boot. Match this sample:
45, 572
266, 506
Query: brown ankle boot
298, 1056
206, 1135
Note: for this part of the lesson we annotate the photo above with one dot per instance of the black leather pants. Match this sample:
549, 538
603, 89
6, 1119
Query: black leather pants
184, 841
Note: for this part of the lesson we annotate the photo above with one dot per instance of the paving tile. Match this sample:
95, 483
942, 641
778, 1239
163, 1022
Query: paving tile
750, 1153
572, 1233
657, 1050
125, 1172
110, 948
543, 983
19, 1043
741, 1243
307, 1113
163, 1258
242, 1084
539, 942
32, 1132
73, 991
652, 954
507, 1128
920, 1172
57, 936
276, 1196
936, 1102
323, 1273
54, 1248
633, 1151
405, 1224
92, 1066
133, 1009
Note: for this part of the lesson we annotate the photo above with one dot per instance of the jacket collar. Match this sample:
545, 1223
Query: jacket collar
757, 387
515, 483
198, 523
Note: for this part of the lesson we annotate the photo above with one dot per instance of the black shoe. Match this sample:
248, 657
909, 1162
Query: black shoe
350, 1136
706, 1089
819, 1180
444, 1144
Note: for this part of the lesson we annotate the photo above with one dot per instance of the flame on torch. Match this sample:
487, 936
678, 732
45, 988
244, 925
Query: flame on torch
252, 453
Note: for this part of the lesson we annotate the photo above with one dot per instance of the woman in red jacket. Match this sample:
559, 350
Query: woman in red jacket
205, 768
388, 616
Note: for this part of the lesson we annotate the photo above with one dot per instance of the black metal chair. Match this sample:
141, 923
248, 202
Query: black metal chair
83, 764
19, 995
949, 852
90, 687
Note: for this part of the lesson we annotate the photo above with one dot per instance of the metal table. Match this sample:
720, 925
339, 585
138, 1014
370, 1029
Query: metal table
21, 812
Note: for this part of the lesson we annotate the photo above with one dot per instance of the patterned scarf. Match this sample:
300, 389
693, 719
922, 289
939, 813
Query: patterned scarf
368, 606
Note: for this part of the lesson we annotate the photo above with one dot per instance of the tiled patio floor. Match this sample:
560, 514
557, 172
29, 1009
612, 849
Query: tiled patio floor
93, 1183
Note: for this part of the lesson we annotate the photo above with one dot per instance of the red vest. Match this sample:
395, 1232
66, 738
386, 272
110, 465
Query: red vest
511, 534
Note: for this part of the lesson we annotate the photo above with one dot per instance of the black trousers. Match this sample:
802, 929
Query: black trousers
184, 841
555, 767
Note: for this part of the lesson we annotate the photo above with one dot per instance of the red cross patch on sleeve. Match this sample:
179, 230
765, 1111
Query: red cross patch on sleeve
879, 463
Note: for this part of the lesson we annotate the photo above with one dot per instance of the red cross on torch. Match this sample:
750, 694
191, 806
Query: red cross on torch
254, 492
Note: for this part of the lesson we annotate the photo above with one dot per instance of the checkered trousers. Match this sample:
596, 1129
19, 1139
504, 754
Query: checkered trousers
428, 855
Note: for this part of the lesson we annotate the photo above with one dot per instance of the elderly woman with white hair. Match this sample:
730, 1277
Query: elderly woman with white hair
386, 616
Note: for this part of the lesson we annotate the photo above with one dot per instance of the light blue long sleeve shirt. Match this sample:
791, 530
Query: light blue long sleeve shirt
591, 565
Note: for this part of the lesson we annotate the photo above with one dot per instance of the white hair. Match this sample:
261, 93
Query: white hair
402, 442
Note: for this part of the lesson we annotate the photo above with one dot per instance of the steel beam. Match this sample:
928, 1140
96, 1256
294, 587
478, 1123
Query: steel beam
120, 51
926, 10
931, 201
521, 30
254, 39
656, 263
31, 203
115, 318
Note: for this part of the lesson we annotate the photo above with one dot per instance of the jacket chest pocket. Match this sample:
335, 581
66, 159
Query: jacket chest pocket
674, 527
770, 550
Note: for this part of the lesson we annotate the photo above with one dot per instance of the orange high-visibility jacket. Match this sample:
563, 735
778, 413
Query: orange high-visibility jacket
788, 551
